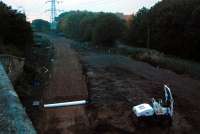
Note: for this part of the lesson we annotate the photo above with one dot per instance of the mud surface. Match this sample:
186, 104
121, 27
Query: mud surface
116, 83
66, 83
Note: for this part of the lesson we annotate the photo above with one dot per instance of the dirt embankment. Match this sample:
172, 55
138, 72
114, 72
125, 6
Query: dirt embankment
116, 83
66, 83
53, 75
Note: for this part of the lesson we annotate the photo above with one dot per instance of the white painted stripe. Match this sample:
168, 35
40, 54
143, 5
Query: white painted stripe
65, 104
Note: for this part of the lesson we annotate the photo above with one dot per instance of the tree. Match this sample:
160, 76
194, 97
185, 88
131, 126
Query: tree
69, 23
99, 28
14, 29
87, 25
108, 29
170, 26
40, 25
192, 35
139, 28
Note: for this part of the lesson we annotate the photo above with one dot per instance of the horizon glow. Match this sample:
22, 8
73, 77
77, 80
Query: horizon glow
37, 9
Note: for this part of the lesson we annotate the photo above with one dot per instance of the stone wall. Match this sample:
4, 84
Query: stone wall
13, 65
13, 118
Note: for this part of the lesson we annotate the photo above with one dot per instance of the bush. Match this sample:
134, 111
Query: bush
100, 28
40, 25
70, 23
87, 25
107, 30
14, 29
170, 26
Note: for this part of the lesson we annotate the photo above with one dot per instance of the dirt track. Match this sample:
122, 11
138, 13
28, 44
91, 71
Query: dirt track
66, 84
66, 80
115, 84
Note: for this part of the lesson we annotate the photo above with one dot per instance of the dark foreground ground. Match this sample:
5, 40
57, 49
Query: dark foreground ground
115, 83
66, 83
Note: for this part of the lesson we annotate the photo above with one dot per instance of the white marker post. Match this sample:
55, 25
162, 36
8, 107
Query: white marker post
65, 104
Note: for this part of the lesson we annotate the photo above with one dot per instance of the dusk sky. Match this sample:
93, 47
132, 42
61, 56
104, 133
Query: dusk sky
37, 9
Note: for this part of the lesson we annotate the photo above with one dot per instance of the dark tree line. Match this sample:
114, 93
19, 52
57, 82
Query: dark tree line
40, 25
14, 29
99, 28
171, 26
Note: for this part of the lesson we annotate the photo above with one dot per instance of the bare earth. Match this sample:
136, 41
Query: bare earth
66, 84
115, 84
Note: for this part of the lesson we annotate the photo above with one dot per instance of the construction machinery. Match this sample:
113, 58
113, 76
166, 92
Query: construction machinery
161, 110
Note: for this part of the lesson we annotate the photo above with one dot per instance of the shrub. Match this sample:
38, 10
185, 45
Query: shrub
40, 25
108, 29
14, 29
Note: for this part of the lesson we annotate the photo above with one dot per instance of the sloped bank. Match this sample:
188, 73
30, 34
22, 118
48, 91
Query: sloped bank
13, 118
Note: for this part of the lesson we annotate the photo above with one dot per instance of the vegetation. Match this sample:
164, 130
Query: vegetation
161, 60
108, 29
32, 82
171, 26
15, 31
40, 25
70, 23
100, 28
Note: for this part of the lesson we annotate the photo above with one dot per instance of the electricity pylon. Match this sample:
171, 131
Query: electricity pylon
53, 11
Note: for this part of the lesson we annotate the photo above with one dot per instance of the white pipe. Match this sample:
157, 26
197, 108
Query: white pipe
65, 104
